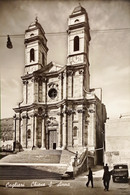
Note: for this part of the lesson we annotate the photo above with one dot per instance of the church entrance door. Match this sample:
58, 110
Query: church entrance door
52, 139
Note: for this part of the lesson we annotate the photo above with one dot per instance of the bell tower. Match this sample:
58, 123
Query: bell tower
35, 48
78, 37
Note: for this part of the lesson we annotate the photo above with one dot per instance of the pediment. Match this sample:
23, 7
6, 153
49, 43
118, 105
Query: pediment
54, 67
51, 67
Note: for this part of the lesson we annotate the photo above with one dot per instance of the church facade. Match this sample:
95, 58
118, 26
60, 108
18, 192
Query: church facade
59, 111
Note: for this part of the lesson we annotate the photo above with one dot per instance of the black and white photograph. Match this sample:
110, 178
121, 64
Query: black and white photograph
65, 97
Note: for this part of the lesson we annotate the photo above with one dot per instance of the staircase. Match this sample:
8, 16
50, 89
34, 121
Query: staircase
19, 172
34, 156
35, 164
66, 156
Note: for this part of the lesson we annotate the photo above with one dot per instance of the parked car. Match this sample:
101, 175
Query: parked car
120, 172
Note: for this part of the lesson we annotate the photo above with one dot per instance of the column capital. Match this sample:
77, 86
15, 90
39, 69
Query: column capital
70, 73
25, 82
61, 76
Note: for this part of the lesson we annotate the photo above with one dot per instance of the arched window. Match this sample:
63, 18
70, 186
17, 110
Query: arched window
76, 43
28, 133
43, 58
32, 55
75, 131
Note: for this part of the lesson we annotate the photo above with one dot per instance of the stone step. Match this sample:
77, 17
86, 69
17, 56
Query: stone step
34, 156
66, 156
26, 164
31, 172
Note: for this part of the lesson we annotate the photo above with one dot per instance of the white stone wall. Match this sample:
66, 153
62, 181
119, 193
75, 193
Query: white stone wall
92, 129
29, 34
78, 85
117, 139
77, 19
64, 85
70, 86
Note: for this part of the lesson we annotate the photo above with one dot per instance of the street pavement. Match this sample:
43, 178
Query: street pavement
76, 186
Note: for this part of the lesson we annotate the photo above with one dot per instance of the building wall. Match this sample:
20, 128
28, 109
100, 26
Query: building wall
117, 138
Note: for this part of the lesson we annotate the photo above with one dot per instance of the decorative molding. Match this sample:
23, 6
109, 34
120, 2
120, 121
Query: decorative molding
70, 111
25, 116
61, 76
60, 113
82, 110
18, 118
70, 72
52, 122
81, 71
25, 82
52, 84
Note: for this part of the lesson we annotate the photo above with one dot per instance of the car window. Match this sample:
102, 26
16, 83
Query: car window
120, 167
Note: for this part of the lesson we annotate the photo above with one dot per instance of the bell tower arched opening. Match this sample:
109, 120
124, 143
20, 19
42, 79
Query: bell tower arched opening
76, 43
32, 55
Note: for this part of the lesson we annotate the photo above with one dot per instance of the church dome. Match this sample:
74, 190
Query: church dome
35, 25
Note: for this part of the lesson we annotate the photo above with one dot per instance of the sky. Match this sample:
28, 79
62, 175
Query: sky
109, 51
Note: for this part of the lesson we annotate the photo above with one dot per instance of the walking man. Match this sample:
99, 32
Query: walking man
106, 179
90, 178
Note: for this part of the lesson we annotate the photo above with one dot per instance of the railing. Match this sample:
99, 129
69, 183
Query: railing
78, 163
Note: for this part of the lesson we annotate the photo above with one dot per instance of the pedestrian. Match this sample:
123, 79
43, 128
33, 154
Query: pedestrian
90, 178
106, 179
106, 167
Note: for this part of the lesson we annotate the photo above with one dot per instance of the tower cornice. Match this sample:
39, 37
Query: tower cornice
36, 38
78, 25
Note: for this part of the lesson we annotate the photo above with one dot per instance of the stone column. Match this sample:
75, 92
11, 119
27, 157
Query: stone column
60, 86
64, 131
43, 134
61, 77
14, 117
70, 80
33, 90
26, 130
91, 128
26, 92
80, 132
59, 130
81, 74
17, 127
69, 127
61, 127
43, 91
27, 117
35, 135
34, 129
19, 130
65, 86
